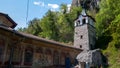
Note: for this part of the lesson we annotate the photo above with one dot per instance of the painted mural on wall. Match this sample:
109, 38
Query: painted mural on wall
17, 55
42, 57
62, 57
28, 55
47, 57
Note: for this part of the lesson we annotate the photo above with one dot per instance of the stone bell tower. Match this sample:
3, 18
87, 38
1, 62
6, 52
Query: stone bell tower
84, 35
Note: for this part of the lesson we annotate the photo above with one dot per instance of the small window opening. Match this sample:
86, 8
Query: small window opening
84, 21
81, 37
80, 46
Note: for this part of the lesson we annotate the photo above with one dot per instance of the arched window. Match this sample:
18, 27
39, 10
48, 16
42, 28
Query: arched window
83, 21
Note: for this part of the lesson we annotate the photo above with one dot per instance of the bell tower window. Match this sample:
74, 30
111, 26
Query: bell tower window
83, 21
80, 46
81, 37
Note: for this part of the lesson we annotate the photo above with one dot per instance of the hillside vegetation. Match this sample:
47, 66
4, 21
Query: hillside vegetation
55, 25
108, 31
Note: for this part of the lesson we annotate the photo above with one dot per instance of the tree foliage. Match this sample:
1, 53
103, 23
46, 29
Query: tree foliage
109, 11
49, 26
55, 25
108, 25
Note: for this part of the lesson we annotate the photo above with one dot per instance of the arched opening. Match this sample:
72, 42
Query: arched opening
83, 21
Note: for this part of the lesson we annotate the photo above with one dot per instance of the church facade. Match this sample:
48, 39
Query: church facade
20, 50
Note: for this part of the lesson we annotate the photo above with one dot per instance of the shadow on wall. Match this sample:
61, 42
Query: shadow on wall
105, 61
103, 41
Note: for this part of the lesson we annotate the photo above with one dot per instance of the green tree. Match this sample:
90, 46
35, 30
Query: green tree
58, 26
65, 22
108, 24
34, 27
109, 9
49, 26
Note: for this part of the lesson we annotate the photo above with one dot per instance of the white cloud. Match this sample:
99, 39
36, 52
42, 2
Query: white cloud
68, 5
53, 6
39, 3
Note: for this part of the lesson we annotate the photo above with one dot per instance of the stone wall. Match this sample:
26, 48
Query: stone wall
84, 37
81, 39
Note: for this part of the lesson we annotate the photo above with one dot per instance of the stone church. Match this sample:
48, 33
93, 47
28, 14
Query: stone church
21, 50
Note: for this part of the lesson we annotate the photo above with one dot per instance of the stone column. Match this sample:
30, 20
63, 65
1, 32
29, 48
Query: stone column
52, 52
43, 58
23, 54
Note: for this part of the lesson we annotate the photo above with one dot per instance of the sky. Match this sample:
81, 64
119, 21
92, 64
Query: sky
17, 9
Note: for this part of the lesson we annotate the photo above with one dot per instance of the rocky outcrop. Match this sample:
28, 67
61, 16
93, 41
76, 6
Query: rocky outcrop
88, 4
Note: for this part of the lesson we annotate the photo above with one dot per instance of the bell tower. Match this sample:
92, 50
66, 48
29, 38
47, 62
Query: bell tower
84, 34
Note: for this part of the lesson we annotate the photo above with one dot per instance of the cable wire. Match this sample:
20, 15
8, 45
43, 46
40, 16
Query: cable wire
27, 12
